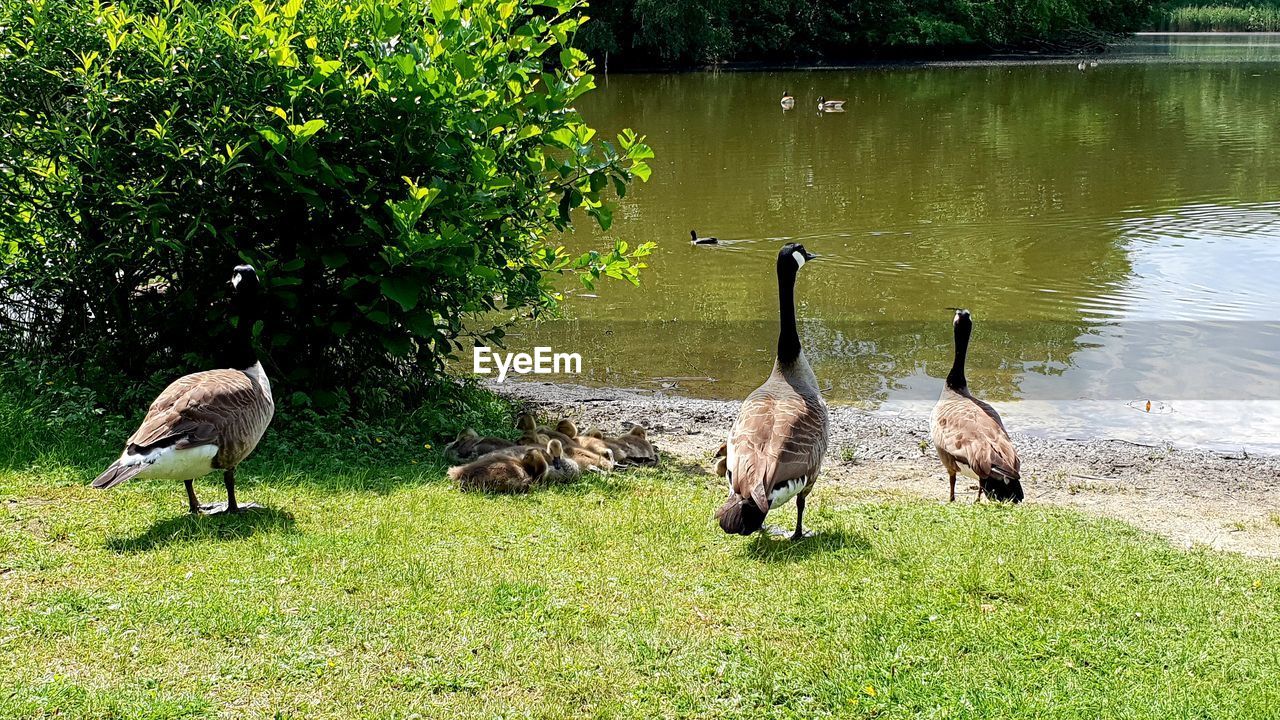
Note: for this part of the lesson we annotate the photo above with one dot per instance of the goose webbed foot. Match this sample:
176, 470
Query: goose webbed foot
221, 508
799, 533
230, 506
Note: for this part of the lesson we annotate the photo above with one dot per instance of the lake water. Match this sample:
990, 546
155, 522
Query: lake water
1115, 232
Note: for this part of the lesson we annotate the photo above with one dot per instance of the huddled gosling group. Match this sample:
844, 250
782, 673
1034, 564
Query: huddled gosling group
213, 420
542, 455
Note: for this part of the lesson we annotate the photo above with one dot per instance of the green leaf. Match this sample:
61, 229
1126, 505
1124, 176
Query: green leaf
402, 290
399, 346
307, 129
443, 10
564, 137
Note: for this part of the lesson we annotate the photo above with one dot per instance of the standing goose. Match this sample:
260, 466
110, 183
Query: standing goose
207, 420
968, 433
775, 448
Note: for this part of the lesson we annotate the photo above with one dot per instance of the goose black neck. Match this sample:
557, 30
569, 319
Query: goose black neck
788, 338
955, 378
239, 352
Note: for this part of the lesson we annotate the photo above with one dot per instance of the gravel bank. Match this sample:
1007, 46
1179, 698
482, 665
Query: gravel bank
1192, 497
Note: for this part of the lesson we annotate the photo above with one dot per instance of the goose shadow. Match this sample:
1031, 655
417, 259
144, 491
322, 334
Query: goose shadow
698, 469
197, 528
770, 549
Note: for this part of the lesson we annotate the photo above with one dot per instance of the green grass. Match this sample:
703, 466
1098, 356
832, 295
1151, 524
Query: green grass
384, 592
370, 587
1250, 17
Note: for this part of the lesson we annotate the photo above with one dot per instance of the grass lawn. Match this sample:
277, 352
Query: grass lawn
387, 593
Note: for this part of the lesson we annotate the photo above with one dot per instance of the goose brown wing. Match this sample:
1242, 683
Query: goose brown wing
970, 431
195, 409
780, 435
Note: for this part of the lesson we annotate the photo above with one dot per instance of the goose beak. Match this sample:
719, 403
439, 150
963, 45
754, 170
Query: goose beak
810, 256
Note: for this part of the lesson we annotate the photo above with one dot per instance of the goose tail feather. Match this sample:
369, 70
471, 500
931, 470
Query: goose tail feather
116, 474
1004, 491
740, 516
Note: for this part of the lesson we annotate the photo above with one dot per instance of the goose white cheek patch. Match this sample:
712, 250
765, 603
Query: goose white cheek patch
799, 258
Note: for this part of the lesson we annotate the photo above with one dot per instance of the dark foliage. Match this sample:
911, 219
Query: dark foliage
693, 32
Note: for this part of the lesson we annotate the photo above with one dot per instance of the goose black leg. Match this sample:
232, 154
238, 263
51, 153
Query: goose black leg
230, 506
953, 485
229, 479
800, 532
192, 502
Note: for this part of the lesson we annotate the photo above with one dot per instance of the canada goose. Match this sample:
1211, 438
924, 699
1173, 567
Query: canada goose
561, 468
597, 462
632, 447
502, 472
594, 440
566, 432
788, 101
207, 420
636, 447
776, 445
968, 434
825, 105
534, 434
527, 424
702, 240
469, 445
567, 428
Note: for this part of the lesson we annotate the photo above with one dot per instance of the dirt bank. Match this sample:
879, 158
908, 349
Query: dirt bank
1192, 497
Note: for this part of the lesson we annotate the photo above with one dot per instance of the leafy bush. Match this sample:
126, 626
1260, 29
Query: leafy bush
397, 169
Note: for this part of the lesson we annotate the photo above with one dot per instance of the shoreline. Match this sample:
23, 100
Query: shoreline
956, 58
1192, 497
991, 61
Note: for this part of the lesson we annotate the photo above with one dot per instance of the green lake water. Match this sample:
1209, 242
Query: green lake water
1114, 230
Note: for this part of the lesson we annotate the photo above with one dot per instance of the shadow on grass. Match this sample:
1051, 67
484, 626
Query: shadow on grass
687, 467
767, 548
196, 528
610, 484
